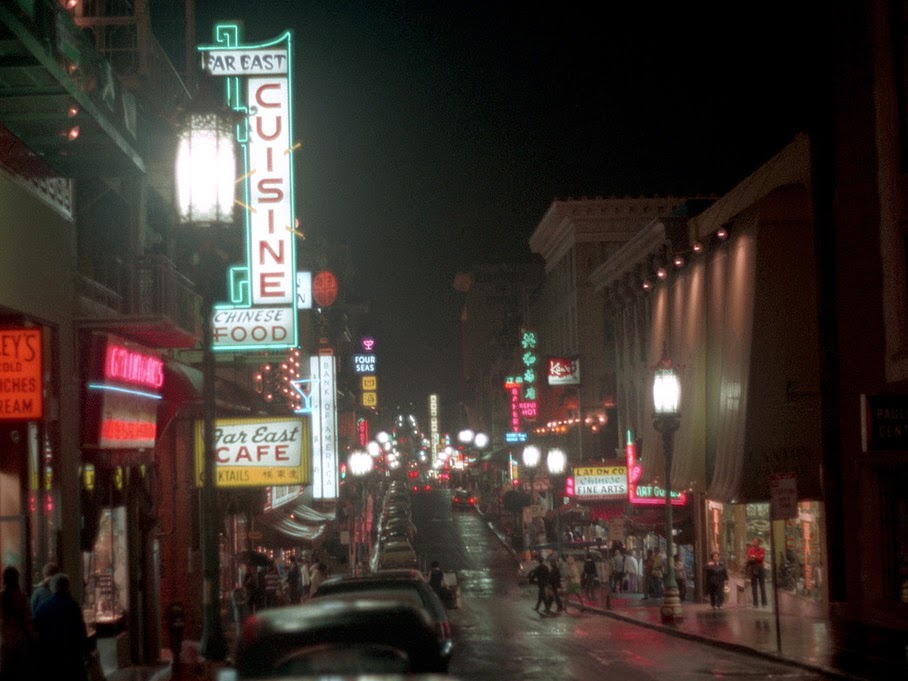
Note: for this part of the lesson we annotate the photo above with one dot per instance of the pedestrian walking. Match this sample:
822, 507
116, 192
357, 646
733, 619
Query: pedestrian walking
631, 572
16, 632
304, 578
539, 576
649, 588
62, 636
555, 581
42, 592
572, 575
716, 580
616, 581
680, 576
272, 587
254, 596
293, 581
317, 575
756, 570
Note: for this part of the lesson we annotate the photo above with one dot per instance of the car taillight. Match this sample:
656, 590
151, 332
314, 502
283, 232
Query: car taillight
472, 500
444, 630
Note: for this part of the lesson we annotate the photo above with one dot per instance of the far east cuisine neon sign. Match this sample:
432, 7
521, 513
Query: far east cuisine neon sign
262, 310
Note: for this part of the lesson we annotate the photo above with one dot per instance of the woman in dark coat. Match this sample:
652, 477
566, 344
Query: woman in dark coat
63, 643
716, 579
15, 629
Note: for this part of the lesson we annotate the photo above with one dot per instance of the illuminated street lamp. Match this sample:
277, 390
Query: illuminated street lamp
205, 177
666, 403
555, 462
359, 463
530, 457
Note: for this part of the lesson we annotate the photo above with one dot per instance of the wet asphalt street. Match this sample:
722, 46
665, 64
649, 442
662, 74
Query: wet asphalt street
499, 635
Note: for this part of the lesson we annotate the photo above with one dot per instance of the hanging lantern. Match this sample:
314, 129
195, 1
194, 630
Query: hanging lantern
206, 170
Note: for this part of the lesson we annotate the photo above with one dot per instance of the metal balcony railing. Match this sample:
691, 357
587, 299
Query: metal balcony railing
147, 299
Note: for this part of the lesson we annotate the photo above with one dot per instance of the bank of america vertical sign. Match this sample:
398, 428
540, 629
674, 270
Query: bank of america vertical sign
261, 313
324, 427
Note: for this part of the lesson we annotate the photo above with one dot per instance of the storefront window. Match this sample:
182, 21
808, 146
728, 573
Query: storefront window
106, 571
801, 568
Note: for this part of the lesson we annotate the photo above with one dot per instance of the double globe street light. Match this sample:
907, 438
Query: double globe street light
556, 463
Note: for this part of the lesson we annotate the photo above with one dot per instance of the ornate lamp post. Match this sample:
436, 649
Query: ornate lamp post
205, 175
666, 403
555, 462
359, 463
531, 455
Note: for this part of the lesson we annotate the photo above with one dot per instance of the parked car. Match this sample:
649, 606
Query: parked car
397, 525
408, 586
395, 554
462, 499
337, 636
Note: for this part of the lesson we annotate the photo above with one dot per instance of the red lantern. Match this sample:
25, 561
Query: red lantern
324, 288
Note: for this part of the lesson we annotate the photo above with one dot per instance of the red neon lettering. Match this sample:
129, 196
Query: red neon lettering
276, 257
115, 430
271, 190
136, 368
270, 284
261, 100
260, 128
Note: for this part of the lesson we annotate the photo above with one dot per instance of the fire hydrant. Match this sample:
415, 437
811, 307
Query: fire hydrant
176, 625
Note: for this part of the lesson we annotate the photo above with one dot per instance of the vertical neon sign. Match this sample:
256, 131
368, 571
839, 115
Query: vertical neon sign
262, 309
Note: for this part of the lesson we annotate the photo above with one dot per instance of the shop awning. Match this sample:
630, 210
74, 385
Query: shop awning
185, 384
182, 393
294, 524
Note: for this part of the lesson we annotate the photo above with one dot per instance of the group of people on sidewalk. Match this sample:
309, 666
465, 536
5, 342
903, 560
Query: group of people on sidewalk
267, 587
755, 570
548, 578
44, 636
550, 583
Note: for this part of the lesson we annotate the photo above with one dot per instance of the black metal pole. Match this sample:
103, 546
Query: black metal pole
671, 599
213, 643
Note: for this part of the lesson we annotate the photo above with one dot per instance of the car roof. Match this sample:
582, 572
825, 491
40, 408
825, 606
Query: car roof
273, 634
390, 579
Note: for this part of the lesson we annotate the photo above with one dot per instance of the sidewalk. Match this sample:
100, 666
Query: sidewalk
814, 644
853, 652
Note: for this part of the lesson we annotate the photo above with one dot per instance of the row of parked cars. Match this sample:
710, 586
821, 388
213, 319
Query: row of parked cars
395, 531
387, 622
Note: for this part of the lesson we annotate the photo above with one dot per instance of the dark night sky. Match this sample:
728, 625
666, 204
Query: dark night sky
435, 135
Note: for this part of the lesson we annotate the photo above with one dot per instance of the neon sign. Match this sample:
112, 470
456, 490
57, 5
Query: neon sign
645, 495
133, 367
21, 387
264, 291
